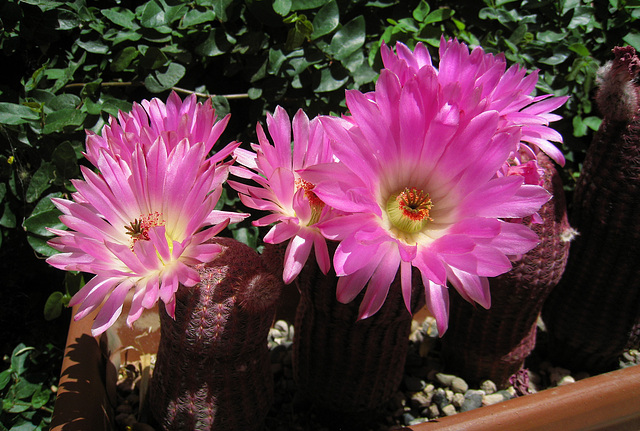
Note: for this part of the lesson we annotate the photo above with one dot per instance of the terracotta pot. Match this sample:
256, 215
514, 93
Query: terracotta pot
86, 394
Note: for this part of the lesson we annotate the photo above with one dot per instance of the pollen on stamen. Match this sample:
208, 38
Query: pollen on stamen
409, 210
415, 204
138, 229
308, 187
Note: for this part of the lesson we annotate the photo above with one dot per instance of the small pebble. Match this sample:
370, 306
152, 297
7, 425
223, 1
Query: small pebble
418, 421
491, 399
445, 379
433, 411
458, 385
556, 374
407, 418
420, 400
458, 400
449, 410
566, 380
440, 398
472, 400
488, 387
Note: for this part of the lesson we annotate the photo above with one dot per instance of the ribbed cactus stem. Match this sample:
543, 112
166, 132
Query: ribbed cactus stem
342, 364
213, 370
592, 312
493, 344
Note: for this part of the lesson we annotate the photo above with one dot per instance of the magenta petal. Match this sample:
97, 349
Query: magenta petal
111, 308
349, 286
431, 267
405, 282
281, 232
437, 301
136, 308
351, 255
296, 256
322, 253
471, 286
379, 284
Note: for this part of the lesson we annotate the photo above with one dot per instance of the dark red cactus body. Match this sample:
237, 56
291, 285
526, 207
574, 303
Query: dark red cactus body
592, 312
341, 364
213, 370
493, 344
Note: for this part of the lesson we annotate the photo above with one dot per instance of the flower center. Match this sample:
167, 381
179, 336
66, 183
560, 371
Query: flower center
138, 229
408, 210
314, 201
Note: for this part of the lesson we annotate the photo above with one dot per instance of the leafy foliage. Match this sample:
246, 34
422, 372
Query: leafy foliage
26, 389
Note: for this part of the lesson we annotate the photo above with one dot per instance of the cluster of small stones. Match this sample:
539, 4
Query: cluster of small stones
426, 393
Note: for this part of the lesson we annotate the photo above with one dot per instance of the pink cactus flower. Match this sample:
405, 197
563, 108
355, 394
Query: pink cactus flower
295, 208
417, 179
480, 82
142, 222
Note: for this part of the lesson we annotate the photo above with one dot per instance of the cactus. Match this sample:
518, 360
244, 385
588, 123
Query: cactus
593, 310
213, 369
493, 344
345, 366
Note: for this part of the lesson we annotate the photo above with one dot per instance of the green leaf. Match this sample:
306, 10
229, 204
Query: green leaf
348, 39
44, 215
13, 114
152, 15
282, 7
161, 81
122, 17
93, 46
254, 93
633, 39
5, 378
40, 398
17, 406
123, 59
439, 15
215, 44
328, 82
65, 160
221, 9
19, 357
8, 218
53, 306
67, 20
307, 4
25, 389
580, 49
63, 101
153, 59
195, 17
40, 182
421, 12
557, 58
326, 20
579, 128
58, 120
40, 246
592, 122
